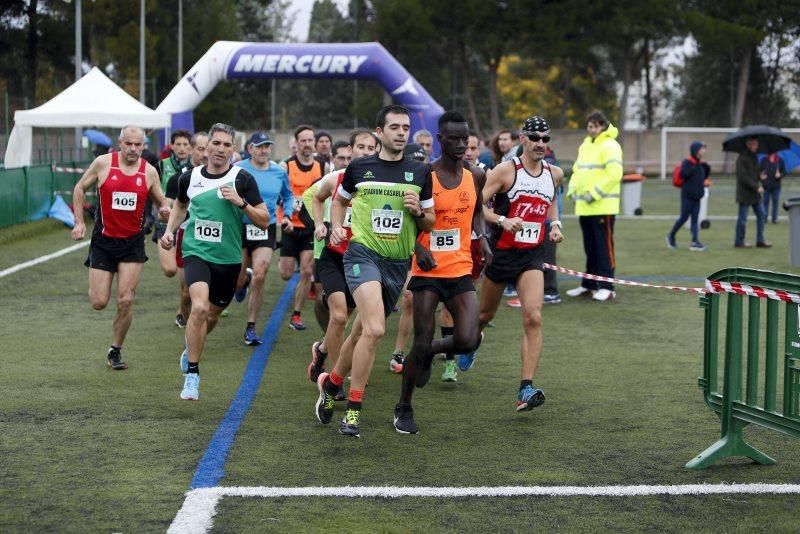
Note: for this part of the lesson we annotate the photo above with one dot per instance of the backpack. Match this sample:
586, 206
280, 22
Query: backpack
677, 181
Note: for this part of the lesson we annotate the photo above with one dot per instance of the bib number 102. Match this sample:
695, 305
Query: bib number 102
387, 221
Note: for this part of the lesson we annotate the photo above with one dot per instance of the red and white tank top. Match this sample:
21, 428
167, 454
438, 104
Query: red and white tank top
341, 248
122, 201
529, 198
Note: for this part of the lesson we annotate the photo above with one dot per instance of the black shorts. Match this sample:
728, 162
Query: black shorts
221, 278
509, 264
446, 288
105, 253
252, 244
329, 271
295, 242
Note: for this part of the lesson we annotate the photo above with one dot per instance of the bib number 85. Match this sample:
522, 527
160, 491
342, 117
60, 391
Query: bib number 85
442, 240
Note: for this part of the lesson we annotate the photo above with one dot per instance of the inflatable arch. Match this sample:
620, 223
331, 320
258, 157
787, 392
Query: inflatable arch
227, 60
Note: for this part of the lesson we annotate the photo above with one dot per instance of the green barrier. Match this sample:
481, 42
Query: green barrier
26, 193
769, 408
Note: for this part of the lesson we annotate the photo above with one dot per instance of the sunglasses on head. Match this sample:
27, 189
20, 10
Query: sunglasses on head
536, 138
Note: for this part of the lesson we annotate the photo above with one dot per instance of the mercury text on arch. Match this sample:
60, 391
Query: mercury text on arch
288, 63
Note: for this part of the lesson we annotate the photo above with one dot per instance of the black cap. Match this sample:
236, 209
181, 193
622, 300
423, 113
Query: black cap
259, 138
415, 151
535, 124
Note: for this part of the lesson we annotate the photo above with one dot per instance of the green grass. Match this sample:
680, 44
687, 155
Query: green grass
86, 449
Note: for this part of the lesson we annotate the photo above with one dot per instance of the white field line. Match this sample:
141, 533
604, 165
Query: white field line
198, 510
42, 259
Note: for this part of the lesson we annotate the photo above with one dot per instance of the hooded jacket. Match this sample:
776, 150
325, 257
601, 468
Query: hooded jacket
597, 175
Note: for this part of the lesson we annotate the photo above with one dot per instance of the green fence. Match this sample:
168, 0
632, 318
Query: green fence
27, 193
752, 362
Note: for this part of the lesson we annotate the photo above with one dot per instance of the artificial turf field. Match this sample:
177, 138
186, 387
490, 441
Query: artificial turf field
83, 448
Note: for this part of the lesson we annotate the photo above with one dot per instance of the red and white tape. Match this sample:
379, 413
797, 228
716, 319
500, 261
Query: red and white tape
68, 169
712, 286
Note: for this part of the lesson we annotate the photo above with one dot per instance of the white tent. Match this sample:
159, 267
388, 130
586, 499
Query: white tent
94, 100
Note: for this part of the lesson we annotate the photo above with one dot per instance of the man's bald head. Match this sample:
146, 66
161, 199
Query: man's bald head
131, 129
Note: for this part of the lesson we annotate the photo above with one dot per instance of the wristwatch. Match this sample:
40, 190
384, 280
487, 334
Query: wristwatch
244, 204
501, 219
556, 223
420, 216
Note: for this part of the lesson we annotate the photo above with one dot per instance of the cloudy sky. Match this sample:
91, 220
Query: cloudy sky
303, 10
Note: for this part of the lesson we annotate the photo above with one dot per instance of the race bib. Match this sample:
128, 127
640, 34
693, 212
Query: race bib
210, 231
254, 233
348, 217
387, 221
298, 204
529, 233
120, 200
444, 240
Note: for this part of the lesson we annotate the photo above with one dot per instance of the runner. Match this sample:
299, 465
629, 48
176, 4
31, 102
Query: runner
524, 197
330, 267
175, 164
391, 201
442, 270
199, 157
297, 242
342, 156
257, 244
215, 196
124, 181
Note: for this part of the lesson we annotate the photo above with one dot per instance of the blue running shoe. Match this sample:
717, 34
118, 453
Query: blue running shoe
241, 294
191, 387
510, 291
250, 336
185, 360
466, 361
529, 398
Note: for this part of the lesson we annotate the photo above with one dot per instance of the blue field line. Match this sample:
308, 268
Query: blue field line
211, 468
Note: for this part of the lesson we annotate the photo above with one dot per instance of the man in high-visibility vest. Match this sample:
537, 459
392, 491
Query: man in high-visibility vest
595, 187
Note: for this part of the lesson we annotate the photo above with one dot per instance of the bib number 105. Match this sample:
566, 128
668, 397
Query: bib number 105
123, 201
387, 221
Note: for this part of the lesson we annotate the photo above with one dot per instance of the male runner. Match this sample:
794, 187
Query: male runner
124, 181
524, 192
175, 164
330, 265
323, 147
215, 196
391, 201
342, 154
297, 243
199, 157
442, 271
257, 244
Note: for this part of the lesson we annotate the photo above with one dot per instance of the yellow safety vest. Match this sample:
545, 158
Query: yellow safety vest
597, 175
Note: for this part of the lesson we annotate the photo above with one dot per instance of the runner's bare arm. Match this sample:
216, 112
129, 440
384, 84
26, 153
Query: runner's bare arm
176, 217
499, 180
338, 211
478, 221
323, 192
89, 178
155, 192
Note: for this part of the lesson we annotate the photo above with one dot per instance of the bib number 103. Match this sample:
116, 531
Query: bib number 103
210, 231
387, 221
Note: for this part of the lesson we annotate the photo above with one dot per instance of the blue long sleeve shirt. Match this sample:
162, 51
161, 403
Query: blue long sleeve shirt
273, 184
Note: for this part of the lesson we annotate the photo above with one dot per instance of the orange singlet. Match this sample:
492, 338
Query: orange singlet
300, 179
450, 239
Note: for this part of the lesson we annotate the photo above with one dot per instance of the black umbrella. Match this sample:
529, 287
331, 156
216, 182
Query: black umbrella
770, 140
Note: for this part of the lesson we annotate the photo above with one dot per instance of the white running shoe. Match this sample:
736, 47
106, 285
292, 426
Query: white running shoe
578, 291
602, 295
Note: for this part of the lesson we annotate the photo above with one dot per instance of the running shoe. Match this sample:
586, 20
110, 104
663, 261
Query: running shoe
466, 361
602, 295
296, 322
180, 322
449, 374
404, 420
324, 406
514, 303
225, 313
579, 291
671, 242
396, 362
184, 360
552, 298
529, 398
490, 324
191, 387
250, 336
115, 360
697, 246
349, 426
510, 291
241, 293
317, 365
341, 394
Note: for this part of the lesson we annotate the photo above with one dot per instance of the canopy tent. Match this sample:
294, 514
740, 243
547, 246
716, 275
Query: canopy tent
94, 100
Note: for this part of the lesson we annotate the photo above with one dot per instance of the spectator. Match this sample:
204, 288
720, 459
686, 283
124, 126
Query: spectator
693, 173
775, 168
748, 194
424, 139
551, 295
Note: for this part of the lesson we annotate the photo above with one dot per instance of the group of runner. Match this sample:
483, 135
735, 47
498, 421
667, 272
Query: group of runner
362, 219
